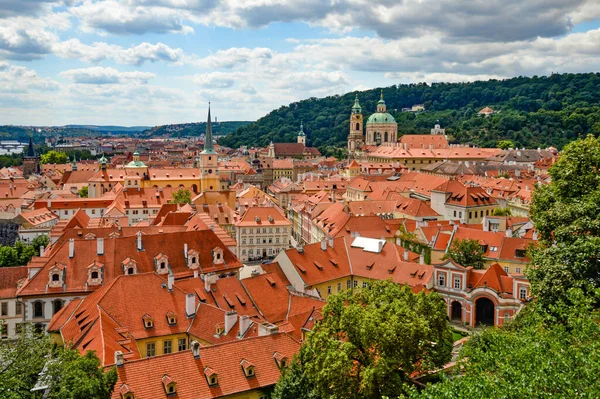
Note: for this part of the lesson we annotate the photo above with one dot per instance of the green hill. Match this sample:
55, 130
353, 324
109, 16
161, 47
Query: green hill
194, 129
532, 112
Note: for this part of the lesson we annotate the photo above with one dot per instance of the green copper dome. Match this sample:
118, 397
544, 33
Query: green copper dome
135, 164
356, 109
381, 117
301, 130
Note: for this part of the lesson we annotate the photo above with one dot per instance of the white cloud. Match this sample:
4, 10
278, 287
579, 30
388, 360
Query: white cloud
27, 38
100, 76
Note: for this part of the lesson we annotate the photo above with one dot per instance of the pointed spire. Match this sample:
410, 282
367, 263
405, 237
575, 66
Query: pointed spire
208, 139
381, 95
356, 109
301, 129
30, 150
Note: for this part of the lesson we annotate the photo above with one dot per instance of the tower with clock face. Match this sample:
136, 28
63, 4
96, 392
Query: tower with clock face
356, 138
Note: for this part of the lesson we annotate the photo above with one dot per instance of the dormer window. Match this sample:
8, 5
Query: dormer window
219, 329
95, 273
148, 321
171, 318
280, 359
125, 392
169, 385
193, 259
211, 377
248, 368
129, 266
217, 255
56, 275
520, 253
162, 263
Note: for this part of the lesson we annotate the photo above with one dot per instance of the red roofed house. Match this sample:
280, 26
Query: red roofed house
11, 310
465, 203
262, 232
489, 297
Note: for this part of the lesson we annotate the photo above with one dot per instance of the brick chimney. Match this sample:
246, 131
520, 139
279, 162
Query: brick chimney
195, 347
100, 246
190, 305
231, 318
119, 359
71, 247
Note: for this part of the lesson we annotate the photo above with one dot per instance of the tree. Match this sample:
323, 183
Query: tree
20, 254
182, 196
369, 344
566, 215
294, 384
67, 374
83, 192
466, 252
8, 256
537, 356
54, 157
502, 212
506, 144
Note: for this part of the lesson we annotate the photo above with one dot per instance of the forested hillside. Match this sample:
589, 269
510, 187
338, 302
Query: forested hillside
193, 129
532, 112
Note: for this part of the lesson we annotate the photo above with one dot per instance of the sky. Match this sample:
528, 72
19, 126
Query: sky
153, 62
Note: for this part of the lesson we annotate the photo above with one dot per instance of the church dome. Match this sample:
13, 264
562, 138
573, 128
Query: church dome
381, 117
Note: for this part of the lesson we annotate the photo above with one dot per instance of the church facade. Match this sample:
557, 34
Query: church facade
381, 127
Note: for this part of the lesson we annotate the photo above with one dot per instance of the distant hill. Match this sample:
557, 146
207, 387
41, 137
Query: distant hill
531, 112
194, 129
113, 129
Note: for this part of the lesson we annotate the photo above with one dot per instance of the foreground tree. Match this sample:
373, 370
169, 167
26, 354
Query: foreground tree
502, 212
566, 216
538, 356
67, 375
369, 344
466, 253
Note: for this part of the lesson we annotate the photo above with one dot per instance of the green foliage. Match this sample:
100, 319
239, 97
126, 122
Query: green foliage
182, 196
294, 384
502, 212
566, 216
369, 344
467, 252
54, 157
20, 253
533, 112
69, 375
506, 144
537, 356
79, 155
83, 192
194, 129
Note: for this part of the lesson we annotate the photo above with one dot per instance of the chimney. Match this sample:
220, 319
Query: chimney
170, 281
331, 242
244, 325
100, 246
422, 257
119, 359
139, 241
509, 232
300, 248
534, 235
195, 347
405, 254
381, 243
71, 247
267, 329
324, 244
231, 318
42, 250
195, 273
49, 203
190, 305
185, 250
206, 284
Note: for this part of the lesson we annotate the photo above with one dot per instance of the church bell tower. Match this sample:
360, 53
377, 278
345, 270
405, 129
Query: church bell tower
209, 178
355, 139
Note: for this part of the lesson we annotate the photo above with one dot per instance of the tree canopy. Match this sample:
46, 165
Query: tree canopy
182, 196
369, 344
68, 375
20, 253
566, 216
466, 252
532, 112
54, 157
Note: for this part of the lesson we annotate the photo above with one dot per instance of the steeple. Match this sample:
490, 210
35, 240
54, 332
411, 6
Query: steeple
301, 135
301, 130
356, 109
208, 139
381, 104
30, 150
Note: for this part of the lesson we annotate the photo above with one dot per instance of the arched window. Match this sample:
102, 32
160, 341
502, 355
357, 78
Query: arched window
357, 126
386, 137
94, 275
55, 277
38, 309
57, 305
130, 270
193, 259
162, 265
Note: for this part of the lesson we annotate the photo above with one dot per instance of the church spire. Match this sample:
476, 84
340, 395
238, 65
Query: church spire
30, 150
356, 109
208, 139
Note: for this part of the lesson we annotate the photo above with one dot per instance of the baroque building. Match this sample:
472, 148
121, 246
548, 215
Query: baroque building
381, 127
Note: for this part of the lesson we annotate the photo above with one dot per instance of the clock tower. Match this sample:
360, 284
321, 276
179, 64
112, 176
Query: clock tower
356, 138
209, 178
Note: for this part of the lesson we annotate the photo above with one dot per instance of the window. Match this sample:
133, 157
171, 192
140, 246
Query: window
506, 269
4, 311
520, 253
355, 283
329, 290
181, 344
243, 241
518, 270
457, 283
339, 287
38, 310
251, 241
57, 306
3, 331
441, 280
506, 317
454, 213
94, 275
243, 231
523, 293
167, 347
364, 284
18, 308
150, 349
348, 284
55, 277
277, 230
472, 216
